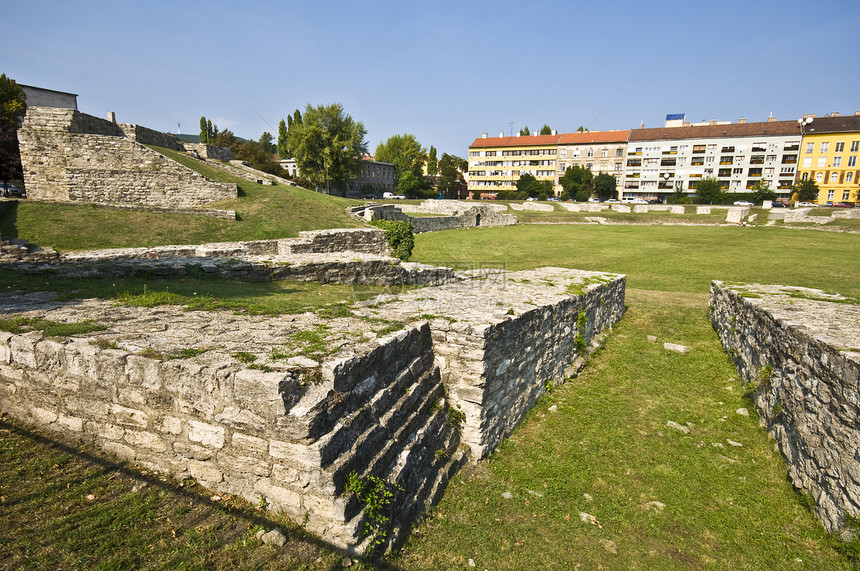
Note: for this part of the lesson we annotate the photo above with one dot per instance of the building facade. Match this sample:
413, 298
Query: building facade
742, 156
829, 156
496, 163
598, 151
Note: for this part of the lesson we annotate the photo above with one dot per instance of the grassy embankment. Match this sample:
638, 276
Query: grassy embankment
605, 451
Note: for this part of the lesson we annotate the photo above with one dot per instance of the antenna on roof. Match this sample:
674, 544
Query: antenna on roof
511, 131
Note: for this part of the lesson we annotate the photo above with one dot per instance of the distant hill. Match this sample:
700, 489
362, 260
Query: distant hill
189, 138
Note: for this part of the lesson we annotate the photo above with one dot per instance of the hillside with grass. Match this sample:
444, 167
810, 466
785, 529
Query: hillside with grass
264, 212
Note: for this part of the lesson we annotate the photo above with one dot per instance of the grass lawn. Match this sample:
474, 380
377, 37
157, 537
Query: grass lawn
599, 482
265, 212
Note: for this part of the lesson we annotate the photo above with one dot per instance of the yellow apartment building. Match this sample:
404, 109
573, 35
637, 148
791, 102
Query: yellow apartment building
496, 163
598, 151
829, 156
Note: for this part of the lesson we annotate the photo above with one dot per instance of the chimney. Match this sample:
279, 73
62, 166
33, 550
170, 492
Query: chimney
856, 113
501, 134
484, 135
742, 121
534, 133
771, 119
834, 114
518, 133
111, 116
554, 132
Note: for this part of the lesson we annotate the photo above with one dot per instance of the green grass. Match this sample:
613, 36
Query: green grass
69, 508
724, 507
272, 298
266, 212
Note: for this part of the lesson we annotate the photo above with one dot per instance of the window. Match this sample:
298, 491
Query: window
771, 158
807, 162
698, 149
757, 160
852, 161
728, 150
849, 177
754, 172
724, 172
837, 161
830, 195
834, 177
491, 153
576, 153
791, 146
726, 160
840, 146
618, 165
819, 177
789, 159
712, 148
634, 162
604, 152
474, 153
619, 152
846, 194
825, 147
738, 171
855, 146
590, 153
589, 166
759, 147
697, 161
822, 162
810, 147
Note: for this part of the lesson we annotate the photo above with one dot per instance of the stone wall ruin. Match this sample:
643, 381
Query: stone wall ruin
798, 350
239, 404
69, 156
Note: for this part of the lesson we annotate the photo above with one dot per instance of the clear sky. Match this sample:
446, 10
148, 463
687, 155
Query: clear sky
443, 71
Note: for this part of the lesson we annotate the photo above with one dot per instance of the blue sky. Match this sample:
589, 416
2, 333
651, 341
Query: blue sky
443, 71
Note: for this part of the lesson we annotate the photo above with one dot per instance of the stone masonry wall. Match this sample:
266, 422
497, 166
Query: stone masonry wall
146, 136
289, 435
799, 351
69, 156
500, 337
205, 151
479, 215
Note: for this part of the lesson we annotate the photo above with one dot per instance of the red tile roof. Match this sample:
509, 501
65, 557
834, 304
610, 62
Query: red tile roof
530, 141
716, 131
594, 137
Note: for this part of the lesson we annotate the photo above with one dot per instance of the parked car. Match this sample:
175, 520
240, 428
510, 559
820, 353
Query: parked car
612, 201
843, 205
743, 203
11, 190
655, 201
778, 204
553, 199
806, 204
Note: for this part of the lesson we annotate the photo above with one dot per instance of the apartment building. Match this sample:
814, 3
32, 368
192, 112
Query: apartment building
662, 161
496, 163
598, 151
828, 156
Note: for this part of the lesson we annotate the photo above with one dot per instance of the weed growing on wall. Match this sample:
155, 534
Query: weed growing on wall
376, 494
399, 235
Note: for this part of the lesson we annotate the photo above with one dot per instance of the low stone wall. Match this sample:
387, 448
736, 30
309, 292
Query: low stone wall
204, 151
288, 436
500, 337
72, 157
478, 215
146, 136
799, 351
173, 390
533, 206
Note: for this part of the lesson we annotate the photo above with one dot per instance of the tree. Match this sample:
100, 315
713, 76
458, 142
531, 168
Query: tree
13, 105
546, 130
405, 153
576, 181
283, 149
409, 185
432, 162
451, 168
208, 131
763, 192
327, 144
582, 129
807, 190
604, 186
267, 143
709, 191
524, 132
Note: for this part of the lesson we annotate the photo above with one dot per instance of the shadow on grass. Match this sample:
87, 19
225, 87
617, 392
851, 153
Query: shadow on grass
9, 219
105, 466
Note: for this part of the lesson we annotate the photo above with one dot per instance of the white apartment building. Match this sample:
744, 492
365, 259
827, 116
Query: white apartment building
740, 155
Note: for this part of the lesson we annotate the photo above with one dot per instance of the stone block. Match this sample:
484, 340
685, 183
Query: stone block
206, 434
71, 423
206, 473
249, 445
128, 417
148, 440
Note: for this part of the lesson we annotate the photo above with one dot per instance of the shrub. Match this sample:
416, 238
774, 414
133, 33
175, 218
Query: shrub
399, 236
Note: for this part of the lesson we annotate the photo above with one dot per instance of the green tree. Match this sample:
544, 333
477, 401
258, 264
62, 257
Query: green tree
576, 181
13, 105
451, 182
283, 149
582, 129
709, 191
807, 190
763, 192
208, 131
267, 143
409, 185
327, 144
432, 162
604, 186
546, 130
524, 132
404, 152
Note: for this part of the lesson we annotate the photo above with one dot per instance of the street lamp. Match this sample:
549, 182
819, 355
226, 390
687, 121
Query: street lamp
803, 121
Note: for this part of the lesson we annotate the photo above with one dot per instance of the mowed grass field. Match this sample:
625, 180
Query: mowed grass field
597, 482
